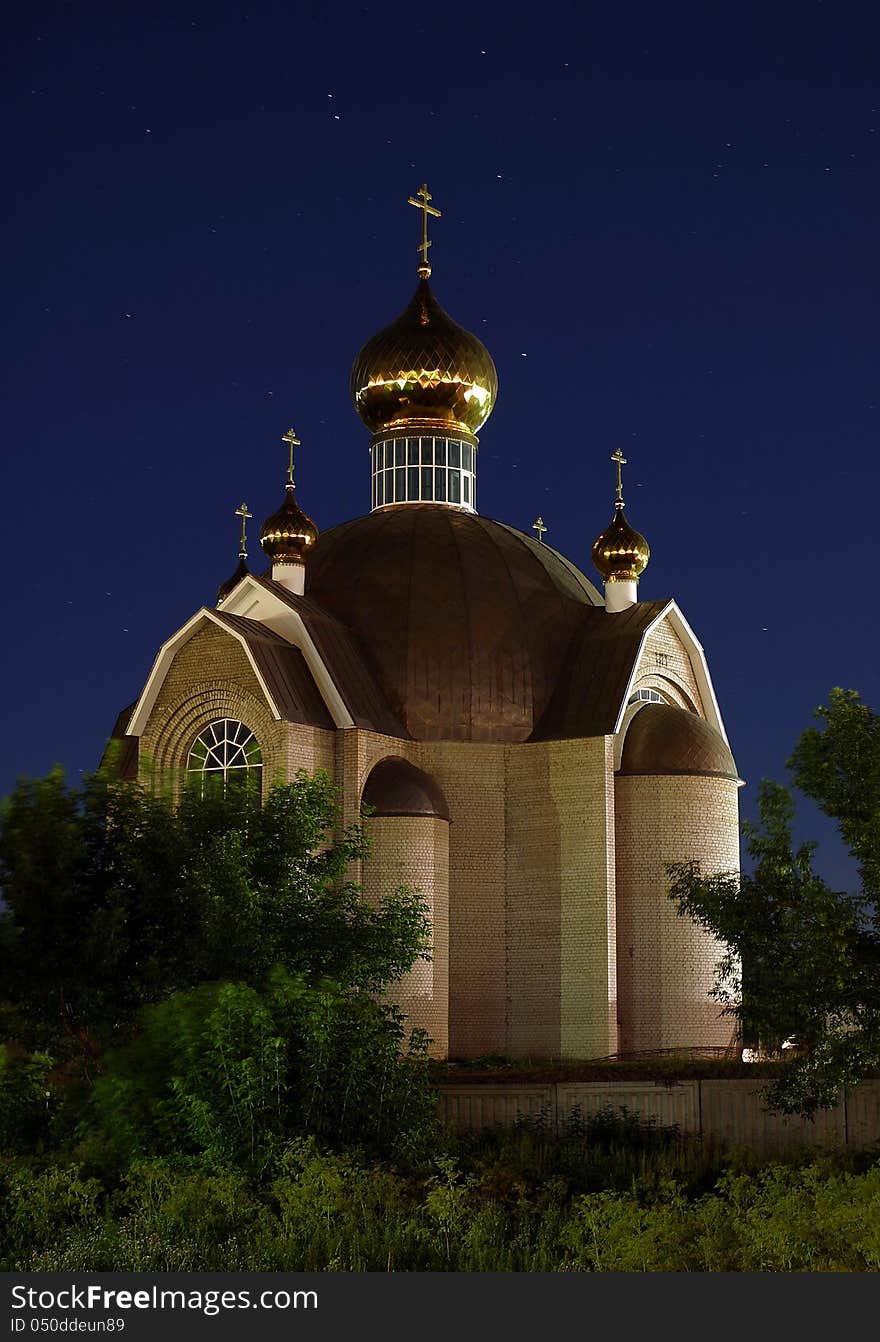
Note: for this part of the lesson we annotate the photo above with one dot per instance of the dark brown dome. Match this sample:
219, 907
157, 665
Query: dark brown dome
396, 787
464, 622
662, 739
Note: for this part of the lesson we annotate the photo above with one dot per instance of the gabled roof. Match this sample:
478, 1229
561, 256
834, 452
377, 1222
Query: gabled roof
312, 672
597, 671
345, 662
284, 670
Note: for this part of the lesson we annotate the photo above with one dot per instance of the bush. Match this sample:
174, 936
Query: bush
24, 1099
228, 1074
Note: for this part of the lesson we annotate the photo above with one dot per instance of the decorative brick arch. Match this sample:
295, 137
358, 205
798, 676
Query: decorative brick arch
167, 742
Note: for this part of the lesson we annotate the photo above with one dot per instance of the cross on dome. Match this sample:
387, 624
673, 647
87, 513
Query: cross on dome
242, 512
620, 459
420, 200
539, 528
292, 441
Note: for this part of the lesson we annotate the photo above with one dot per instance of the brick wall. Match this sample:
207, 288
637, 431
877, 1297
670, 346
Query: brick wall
210, 678
560, 899
414, 851
472, 777
665, 665
666, 962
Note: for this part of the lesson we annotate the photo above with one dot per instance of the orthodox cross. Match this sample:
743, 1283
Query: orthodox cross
539, 528
292, 441
420, 200
242, 512
620, 459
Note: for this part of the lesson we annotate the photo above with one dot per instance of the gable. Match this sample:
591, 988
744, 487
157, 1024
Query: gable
665, 664
216, 648
606, 659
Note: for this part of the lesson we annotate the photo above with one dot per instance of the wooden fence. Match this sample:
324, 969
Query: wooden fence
719, 1112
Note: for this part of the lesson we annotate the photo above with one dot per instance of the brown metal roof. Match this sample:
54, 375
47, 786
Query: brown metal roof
663, 739
464, 622
396, 787
284, 670
345, 662
595, 672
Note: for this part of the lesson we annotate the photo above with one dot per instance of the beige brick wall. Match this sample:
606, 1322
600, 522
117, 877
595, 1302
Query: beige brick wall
209, 678
666, 962
309, 748
472, 777
414, 851
560, 899
531, 889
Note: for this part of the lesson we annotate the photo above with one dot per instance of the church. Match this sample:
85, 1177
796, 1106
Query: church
532, 751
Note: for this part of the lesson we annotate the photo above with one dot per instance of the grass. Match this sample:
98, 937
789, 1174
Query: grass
609, 1194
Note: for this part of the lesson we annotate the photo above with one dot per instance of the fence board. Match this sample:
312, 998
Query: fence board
470, 1108
669, 1105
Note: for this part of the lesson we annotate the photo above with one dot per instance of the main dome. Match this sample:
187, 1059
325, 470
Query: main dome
424, 371
464, 622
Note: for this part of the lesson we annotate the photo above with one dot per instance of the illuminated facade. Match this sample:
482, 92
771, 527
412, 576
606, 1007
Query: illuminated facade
533, 751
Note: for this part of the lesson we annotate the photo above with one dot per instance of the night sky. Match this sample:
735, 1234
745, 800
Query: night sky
663, 221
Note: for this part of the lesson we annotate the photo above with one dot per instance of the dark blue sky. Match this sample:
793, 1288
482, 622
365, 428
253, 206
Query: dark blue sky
663, 220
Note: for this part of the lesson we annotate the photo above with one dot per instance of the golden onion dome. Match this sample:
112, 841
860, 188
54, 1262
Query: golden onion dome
424, 371
231, 583
621, 553
289, 534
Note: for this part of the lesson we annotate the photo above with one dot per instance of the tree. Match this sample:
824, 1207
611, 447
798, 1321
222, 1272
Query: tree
839, 768
803, 960
117, 897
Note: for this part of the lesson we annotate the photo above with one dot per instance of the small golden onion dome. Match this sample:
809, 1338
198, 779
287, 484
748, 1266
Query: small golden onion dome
288, 535
226, 587
621, 553
424, 371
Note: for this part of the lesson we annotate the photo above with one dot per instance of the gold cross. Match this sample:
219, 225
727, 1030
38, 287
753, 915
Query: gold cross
420, 200
621, 461
292, 441
242, 512
538, 526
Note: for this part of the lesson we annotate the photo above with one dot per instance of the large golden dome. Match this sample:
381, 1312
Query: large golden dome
424, 371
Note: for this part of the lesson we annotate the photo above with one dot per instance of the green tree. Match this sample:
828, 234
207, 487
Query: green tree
838, 766
803, 960
117, 897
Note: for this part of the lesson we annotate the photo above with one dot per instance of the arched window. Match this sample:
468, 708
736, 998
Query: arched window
648, 696
226, 754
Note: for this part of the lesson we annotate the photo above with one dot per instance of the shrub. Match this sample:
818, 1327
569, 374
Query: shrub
228, 1073
24, 1099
